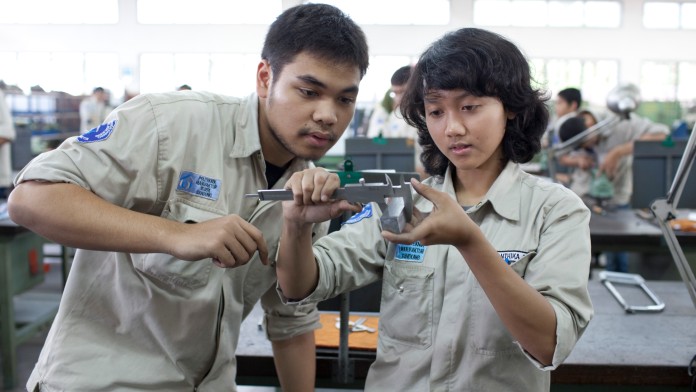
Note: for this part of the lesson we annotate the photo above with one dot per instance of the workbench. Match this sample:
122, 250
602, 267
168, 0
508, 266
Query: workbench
625, 230
22, 312
639, 350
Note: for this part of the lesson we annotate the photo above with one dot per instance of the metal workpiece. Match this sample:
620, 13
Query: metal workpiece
608, 278
664, 209
395, 200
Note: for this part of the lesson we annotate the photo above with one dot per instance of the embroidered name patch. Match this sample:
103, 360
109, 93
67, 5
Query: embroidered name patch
413, 253
365, 213
98, 134
198, 185
512, 256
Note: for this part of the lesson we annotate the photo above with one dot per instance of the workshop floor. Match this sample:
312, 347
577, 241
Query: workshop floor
28, 352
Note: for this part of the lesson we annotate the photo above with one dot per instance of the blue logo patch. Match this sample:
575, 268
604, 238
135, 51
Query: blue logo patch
413, 253
98, 134
198, 185
365, 213
512, 256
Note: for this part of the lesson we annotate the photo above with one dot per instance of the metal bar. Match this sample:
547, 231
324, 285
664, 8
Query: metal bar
664, 209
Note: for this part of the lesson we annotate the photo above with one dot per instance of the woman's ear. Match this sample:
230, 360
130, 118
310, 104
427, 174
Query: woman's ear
511, 115
263, 78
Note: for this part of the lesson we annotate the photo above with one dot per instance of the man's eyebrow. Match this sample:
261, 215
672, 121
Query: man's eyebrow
316, 82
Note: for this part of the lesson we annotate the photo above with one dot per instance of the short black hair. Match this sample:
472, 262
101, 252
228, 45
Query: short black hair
571, 128
484, 64
321, 30
401, 75
570, 95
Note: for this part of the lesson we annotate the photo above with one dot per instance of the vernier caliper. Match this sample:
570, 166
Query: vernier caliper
394, 200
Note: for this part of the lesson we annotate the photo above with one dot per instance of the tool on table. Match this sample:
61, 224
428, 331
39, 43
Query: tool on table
394, 200
356, 326
608, 278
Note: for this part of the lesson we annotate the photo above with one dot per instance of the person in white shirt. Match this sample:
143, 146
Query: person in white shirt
7, 136
93, 109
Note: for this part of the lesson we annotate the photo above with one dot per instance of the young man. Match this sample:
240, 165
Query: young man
566, 105
93, 109
171, 256
7, 136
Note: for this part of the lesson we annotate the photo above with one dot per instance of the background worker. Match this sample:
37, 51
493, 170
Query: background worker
388, 121
614, 158
566, 105
7, 136
171, 256
93, 109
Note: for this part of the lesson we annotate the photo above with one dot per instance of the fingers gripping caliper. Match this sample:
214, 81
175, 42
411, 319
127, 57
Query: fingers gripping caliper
394, 200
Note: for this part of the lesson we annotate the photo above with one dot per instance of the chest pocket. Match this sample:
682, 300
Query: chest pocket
406, 313
166, 269
490, 337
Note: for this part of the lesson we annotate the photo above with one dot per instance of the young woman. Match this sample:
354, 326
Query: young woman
486, 289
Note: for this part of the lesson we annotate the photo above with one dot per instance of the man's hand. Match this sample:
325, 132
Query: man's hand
448, 223
312, 190
230, 241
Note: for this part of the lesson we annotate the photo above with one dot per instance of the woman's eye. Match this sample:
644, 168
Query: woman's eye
468, 108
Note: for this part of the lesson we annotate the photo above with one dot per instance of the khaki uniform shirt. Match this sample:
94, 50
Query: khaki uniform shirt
624, 132
437, 330
150, 322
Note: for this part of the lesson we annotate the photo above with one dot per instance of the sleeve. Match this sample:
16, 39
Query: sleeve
118, 161
349, 258
642, 126
284, 320
560, 271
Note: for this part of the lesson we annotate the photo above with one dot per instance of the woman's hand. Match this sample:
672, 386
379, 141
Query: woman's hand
448, 223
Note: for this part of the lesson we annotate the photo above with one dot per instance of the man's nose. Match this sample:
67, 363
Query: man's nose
326, 112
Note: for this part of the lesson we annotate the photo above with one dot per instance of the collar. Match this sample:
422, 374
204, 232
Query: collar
244, 128
504, 195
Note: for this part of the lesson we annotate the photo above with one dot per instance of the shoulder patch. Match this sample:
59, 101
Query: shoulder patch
412, 253
365, 213
99, 133
199, 185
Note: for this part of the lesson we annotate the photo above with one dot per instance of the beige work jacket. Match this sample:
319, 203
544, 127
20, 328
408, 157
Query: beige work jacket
438, 331
150, 322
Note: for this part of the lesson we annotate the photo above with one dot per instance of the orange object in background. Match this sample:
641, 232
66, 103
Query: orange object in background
683, 225
328, 335
33, 258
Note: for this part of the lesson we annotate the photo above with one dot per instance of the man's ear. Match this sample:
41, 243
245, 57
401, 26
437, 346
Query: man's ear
263, 78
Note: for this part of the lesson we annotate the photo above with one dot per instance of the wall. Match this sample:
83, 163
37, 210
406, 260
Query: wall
630, 44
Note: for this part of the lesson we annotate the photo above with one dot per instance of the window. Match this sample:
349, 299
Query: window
668, 81
395, 12
542, 13
658, 81
595, 78
686, 82
232, 74
208, 11
59, 12
661, 15
669, 15
71, 72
